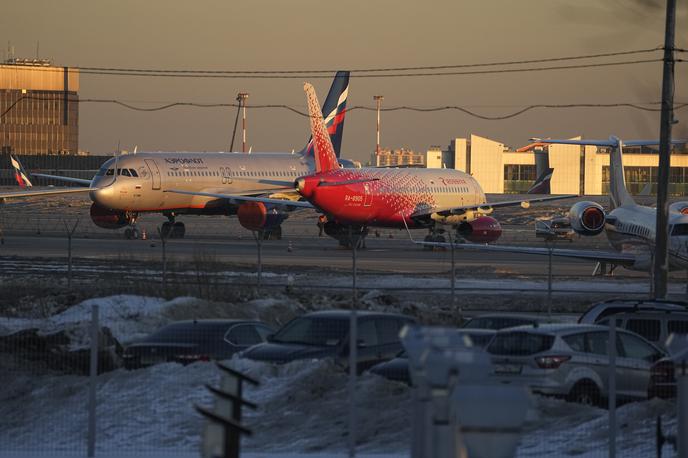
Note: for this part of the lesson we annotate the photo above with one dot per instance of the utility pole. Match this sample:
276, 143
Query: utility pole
661, 264
378, 100
241, 98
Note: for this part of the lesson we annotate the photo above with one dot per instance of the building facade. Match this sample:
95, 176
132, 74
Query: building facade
39, 108
577, 169
398, 158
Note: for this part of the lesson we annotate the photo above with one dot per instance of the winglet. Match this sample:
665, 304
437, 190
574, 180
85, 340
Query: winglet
325, 157
20, 174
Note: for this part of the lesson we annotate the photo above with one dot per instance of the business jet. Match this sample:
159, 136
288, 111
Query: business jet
127, 186
356, 199
630, 227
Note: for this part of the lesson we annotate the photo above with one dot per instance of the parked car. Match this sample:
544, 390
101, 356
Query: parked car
663, 375
398, 368
600, 310
571, 361
197, 340
497, 321
656, 326
325, 334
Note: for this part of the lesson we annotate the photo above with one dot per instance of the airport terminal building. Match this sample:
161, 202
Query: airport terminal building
577, 169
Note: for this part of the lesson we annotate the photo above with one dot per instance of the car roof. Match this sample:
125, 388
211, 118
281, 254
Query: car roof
555, 328
214, 322
346, 314
643, 313
523, 316
641, 302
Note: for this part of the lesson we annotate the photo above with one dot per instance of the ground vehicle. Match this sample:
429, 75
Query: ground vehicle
557, 228
600, 310
497, 321
571, 361
197, 340
654, 325
398, 368
325, 334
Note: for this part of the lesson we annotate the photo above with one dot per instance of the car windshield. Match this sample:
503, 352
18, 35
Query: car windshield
496, 322
320, 331
190, 333
520, 343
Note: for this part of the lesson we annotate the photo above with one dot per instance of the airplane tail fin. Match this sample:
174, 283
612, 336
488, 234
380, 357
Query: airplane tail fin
542, 184
617, 180
334, 111
22, 177
325, 157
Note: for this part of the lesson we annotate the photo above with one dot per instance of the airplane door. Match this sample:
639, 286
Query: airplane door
155, 173
226, 173
367, 197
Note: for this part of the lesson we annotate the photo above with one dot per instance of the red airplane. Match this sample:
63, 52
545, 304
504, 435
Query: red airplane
398, 198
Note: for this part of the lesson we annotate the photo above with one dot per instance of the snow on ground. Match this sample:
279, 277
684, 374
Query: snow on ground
303, 405
303, 409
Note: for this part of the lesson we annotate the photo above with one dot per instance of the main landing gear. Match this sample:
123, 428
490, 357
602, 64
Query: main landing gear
434, 235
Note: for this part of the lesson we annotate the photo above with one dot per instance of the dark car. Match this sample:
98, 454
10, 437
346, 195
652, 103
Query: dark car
398, 368
197, 340
319, 335
663, 375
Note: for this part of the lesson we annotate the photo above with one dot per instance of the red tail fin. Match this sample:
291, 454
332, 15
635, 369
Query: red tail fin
325, 157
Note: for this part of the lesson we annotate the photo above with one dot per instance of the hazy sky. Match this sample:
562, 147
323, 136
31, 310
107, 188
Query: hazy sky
314, 34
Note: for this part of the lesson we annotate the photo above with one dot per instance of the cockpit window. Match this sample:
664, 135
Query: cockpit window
133, 173
680, 229
125, 172
110, 172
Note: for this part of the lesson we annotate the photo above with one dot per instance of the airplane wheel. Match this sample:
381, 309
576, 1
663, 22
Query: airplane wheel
178, 231
128, 233
135, 233
276, 233
440, 239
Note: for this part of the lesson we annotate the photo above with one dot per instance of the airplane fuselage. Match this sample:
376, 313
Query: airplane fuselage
631, 229
391, 197
139, 183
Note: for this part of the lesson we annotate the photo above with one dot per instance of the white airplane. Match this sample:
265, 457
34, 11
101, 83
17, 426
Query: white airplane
630, 227
129, 185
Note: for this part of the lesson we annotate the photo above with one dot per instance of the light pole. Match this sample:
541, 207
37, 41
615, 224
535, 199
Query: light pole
241, 98
378, 100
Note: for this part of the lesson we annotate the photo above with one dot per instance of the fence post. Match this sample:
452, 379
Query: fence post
682, 406
611, 350
93, 374
70, 233
163, 240
353, 341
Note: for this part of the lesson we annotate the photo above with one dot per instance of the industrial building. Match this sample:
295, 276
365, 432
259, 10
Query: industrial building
577, 169
39, 108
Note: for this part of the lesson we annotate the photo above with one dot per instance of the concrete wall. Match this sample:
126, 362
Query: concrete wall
487, 163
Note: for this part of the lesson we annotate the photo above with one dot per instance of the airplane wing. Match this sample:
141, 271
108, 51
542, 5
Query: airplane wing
239, 199
80, 181
525, 203
592, 255
34, 193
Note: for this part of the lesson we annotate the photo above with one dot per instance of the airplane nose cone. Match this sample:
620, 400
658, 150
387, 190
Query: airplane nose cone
102, 196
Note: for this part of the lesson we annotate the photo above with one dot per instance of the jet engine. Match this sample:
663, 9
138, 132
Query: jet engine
256, 216
109, 219
679, 207
587, 218
485, 229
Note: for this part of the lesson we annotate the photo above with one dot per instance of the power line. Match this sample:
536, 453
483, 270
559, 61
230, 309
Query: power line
368, 70
372, 75
295, 110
